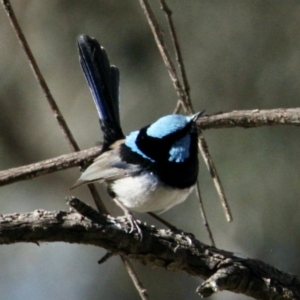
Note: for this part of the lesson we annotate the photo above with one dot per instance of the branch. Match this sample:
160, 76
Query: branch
173, 251
251, 118
48, 166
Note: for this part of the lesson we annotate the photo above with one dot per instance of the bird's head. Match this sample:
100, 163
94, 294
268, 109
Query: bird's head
172, 138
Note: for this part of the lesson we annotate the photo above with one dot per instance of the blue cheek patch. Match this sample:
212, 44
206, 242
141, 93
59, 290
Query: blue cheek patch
167, 125
180, 150
130, 143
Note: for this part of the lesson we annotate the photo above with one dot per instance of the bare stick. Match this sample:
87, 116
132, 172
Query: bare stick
203, 147
105, 258
85, 210
203, 215
97, 199
161, 220
159, 38
137, 283
178, 54
177, 107
213, 173
157, 32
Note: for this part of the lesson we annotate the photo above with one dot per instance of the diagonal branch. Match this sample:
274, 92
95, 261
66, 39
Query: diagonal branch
221, 269
39, 76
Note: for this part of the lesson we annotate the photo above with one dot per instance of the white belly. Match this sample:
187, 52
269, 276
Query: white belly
144, 194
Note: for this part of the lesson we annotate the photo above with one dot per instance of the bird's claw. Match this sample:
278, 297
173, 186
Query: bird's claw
133, 225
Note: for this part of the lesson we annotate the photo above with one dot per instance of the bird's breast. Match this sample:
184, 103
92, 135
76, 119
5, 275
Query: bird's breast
145, 193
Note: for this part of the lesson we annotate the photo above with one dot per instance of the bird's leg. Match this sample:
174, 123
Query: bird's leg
133, 222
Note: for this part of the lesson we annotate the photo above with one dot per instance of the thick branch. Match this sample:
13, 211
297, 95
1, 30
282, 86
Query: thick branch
172, 251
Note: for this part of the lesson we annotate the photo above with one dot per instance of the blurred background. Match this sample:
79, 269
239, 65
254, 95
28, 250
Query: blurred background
238, 55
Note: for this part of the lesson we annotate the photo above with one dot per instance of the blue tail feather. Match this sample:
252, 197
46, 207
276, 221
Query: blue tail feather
115, 83
103, 80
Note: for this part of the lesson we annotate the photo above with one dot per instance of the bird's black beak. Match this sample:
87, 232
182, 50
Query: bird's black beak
195, 116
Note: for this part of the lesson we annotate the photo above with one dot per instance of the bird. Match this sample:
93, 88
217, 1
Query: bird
149, 170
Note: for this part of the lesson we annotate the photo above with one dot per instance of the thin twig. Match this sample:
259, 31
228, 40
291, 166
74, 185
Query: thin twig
213, 173
203, 215
177, 107
85, 210
178, 54
158, 35
159, 38
97, 199
137, 283
161, 220
105, 257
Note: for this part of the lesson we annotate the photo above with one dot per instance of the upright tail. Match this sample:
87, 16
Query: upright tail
103, 80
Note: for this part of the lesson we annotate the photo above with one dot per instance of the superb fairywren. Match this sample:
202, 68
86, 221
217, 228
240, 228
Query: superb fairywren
149, 170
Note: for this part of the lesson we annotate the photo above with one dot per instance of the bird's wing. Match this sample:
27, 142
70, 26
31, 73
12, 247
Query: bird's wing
107, 167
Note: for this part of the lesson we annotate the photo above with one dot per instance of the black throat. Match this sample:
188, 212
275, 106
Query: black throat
179, 175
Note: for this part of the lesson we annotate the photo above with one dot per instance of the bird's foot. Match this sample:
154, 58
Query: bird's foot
133, 223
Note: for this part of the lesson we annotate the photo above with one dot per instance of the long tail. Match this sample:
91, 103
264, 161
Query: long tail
103, 80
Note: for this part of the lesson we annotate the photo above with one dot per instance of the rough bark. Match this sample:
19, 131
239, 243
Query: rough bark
174, 251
